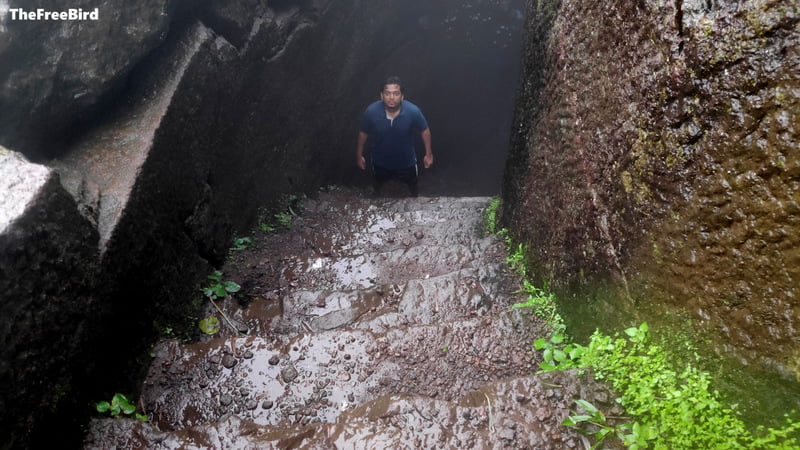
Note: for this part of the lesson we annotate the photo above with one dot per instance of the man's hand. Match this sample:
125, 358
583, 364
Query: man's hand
361, 162
428, 161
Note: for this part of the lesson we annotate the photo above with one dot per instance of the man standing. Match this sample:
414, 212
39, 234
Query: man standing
390, 125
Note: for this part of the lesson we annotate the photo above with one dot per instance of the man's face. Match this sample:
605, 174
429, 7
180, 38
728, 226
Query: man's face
391, 96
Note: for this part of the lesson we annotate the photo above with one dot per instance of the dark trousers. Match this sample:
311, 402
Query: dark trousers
408, 176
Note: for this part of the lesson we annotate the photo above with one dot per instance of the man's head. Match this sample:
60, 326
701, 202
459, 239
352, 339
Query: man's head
392, 93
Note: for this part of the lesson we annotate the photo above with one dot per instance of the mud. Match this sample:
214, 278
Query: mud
369, 324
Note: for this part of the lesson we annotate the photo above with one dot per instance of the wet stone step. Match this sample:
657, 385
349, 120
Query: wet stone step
368, 270
448, 297
516, 413
346, 241
368, 324
316, 377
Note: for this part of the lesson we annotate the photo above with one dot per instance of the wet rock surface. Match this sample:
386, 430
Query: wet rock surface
659, 150
375, 323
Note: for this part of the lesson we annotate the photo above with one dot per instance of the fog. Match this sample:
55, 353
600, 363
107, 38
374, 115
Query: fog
460, 63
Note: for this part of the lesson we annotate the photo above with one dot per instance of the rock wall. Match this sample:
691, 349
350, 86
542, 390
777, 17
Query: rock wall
656, 148
48, 255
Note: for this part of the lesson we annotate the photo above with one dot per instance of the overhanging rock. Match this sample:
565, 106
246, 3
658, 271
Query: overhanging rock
101, 172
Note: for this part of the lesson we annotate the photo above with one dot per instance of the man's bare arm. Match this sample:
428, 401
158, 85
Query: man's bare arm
360, 161
426, 140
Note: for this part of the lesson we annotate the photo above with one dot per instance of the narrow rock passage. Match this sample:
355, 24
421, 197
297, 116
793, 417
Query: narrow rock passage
369, 324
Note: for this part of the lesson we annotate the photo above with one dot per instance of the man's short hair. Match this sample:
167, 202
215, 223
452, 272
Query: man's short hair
392, 80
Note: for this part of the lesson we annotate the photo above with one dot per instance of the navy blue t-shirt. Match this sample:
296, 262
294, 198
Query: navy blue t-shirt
392, 141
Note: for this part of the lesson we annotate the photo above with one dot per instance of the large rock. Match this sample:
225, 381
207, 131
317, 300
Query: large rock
657, 145
47, 266
58, 74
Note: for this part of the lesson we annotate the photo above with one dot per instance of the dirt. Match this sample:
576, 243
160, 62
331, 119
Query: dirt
370, 323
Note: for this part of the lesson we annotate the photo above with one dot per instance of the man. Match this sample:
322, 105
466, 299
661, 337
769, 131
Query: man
391, 125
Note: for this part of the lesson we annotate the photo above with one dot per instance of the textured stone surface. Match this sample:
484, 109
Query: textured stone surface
47, 264
659, 147
402, 361
55, 75
20, 181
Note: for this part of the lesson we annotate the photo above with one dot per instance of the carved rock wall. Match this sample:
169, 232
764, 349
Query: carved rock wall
656, 147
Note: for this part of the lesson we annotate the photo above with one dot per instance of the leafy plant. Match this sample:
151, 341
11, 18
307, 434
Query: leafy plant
600, 429
120, 405
542, 301
216, 289
284, 220
674, 407
490, 216
556, 354
209, 325
242, 243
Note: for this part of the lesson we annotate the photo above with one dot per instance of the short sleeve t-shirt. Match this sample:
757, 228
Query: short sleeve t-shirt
392, 140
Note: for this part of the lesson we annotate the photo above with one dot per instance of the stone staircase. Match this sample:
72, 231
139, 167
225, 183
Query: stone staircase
371, 323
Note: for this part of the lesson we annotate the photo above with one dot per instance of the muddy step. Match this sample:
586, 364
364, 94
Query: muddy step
522, 412
371, 323
379, 229
315, 377
452, 296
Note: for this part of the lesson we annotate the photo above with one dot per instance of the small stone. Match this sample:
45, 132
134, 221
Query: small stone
542, 414
267, 404
251, 404
226, 399
247, 355
274, 360
419, 235
228, 361
289, 373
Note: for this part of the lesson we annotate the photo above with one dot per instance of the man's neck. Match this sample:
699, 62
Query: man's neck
392, 113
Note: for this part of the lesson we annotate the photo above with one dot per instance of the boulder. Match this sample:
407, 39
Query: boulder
47, 265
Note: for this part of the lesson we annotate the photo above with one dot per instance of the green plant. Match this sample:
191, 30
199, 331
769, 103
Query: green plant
516, 258
600, 429
242, 243
120, 405
209, 325
284, 220
556, 354
542, 301
216, 289
674, 407
490, 216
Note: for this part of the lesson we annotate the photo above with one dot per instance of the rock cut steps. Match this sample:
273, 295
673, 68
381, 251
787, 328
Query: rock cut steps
370, 324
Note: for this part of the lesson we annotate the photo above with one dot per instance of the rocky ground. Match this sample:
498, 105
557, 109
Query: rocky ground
370, 323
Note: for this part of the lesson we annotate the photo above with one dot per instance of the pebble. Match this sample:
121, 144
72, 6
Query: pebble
274, 360
228, 361
267, 404
226, 399
289, 373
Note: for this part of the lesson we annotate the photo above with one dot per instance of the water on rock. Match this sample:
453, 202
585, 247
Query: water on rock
371, 323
